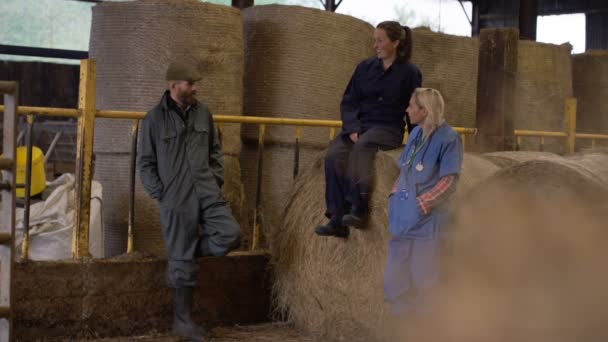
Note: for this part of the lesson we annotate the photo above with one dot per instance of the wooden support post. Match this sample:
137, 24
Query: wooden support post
84, 156
242, 4
528, 14
498, 49
570, 120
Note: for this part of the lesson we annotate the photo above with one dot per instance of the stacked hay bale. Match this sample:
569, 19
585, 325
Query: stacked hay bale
133, 43
298, 62
543, 82
589, 78
531, 248
449, 64
333, 287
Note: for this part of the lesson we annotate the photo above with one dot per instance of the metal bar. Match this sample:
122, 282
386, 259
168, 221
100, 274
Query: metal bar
592, 143
134, 134
42, 52
258, 190
6, 164
47, 155
46, 111
84, 156
8, 87
20, 136
219, 118
5, 238
220, 127
296, 156
29, 138
332, 133
518, 143
7, 214
542, 144
570, 120
531, 133
50, 112
591, 136
463, 138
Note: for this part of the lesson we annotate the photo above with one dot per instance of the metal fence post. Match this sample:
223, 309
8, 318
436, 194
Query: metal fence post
570, 120
84, 156
7, 219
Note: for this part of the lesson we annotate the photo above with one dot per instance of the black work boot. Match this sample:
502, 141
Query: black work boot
182, 320
357, 219
333, 228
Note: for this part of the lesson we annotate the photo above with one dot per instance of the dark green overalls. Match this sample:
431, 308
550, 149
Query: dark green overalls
180, 165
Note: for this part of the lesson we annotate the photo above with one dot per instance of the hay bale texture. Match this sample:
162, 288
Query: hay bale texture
449, 63
542, 83
528, 263
330, 287
505, 159
298, 62
590, 83
133, 43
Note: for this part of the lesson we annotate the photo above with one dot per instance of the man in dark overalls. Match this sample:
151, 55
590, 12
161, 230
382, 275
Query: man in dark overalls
180, 165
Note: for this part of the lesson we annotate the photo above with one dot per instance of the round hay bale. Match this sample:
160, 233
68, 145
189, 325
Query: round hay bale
543, 81
589, 80
330, 287
505, 159
298, 62
528, 262
455, 76
133, 43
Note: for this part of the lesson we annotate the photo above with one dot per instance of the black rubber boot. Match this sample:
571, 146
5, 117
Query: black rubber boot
183, 325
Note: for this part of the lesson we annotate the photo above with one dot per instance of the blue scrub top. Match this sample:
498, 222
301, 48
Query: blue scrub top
440, 156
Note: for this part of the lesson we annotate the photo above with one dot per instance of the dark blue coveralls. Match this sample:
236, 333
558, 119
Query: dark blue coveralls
373, 105
180, 165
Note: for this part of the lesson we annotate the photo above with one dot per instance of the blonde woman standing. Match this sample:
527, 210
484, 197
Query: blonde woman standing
430, 166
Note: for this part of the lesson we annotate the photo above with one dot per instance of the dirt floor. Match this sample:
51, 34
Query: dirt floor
254, 333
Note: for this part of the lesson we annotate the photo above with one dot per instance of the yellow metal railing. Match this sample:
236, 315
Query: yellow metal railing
86, 115
570, 135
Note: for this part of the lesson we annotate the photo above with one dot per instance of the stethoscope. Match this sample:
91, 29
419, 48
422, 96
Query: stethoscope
419, 166
426, 143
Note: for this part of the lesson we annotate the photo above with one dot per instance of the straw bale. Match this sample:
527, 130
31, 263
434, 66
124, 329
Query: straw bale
133, 43
542, 83
330, 287
505, 159
531, 248
449, 63
590, 83
298, 62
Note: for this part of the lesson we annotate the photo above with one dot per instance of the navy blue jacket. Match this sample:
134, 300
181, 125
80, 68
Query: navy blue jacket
375, 97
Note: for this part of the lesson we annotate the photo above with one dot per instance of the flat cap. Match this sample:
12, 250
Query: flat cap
180, 71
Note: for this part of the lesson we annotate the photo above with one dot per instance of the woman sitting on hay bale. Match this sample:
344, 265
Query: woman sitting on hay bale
430, 166
372, 119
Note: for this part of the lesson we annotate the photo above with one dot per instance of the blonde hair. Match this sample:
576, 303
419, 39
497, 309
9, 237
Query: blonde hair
431, 100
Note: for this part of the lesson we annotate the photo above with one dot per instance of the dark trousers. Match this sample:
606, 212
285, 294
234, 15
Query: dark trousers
348, 169
185, 241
